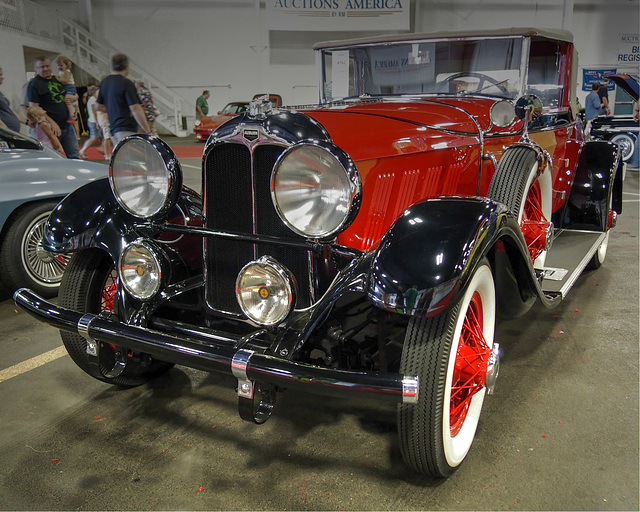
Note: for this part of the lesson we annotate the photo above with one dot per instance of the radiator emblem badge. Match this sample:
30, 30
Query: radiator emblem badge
250, 135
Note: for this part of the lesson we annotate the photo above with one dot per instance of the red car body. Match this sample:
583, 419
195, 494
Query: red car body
361, 247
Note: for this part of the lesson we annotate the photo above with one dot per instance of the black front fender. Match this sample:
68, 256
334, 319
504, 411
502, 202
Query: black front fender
91, 217
88, 217
435, 247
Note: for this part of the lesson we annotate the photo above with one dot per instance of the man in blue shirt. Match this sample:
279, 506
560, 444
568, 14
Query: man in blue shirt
592, 104
119, 99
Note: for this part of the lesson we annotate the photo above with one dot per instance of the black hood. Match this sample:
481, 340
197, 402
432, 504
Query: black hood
628, 83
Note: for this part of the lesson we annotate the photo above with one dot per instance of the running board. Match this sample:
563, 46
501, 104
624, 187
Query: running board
569, 255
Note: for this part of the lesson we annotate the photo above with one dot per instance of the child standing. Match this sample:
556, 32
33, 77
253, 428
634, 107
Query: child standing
94, 134
65, 77
43, 130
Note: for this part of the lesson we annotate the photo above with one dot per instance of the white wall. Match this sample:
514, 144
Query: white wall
597, 29
224, 46
14, 65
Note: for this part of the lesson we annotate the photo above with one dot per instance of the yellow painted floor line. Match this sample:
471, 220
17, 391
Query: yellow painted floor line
30, 364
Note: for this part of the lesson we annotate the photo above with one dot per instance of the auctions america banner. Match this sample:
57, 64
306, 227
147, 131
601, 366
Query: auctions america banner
338, 14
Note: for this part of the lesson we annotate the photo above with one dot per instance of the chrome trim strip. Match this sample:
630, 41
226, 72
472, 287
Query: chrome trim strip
83, 325
410, 390
582, 265
239, 364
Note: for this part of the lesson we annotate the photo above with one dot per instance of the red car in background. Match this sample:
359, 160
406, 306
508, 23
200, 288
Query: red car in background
206, 125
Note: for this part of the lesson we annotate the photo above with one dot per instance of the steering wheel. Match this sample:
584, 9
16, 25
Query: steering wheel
444, 85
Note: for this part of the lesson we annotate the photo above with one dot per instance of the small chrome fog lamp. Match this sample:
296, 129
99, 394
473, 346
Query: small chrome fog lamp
140, 269
265, 291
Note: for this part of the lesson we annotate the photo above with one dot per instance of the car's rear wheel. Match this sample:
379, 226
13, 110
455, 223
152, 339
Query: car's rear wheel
90, 285
23, 260
627, 143
519, 184
452, 356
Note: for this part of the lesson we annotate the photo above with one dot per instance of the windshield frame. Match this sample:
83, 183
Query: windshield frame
323, 55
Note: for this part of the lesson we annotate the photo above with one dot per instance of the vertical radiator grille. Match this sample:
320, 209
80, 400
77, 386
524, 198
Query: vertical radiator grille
238, 200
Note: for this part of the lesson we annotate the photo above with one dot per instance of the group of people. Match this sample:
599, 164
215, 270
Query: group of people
116, 108
597, 102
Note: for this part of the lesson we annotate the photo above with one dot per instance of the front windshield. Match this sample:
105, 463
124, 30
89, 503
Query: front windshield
234, 108
487, 66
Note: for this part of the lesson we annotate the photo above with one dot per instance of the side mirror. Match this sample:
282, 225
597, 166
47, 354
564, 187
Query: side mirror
529, 107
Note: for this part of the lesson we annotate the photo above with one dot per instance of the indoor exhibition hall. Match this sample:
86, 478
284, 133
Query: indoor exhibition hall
319, 255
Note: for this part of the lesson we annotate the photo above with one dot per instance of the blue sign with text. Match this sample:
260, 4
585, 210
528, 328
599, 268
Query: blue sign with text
589, 76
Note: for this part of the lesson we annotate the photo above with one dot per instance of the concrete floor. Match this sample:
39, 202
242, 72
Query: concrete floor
560, 433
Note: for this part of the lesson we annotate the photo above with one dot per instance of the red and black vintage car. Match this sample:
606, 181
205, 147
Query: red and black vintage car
361, 247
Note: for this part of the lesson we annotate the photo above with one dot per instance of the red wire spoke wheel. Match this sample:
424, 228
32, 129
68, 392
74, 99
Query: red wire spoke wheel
450, 354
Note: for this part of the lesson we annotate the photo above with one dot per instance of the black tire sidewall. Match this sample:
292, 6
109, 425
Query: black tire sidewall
81, 290
426, 354
13, 271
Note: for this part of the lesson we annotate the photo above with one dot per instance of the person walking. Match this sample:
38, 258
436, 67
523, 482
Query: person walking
8, 117
94, 133
592, 104
603, 92
150, 110
45, 91
119, 98
202, 106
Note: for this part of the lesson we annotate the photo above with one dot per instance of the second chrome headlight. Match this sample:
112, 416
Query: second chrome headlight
316, 189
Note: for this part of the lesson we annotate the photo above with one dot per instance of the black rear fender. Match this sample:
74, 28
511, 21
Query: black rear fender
597, 184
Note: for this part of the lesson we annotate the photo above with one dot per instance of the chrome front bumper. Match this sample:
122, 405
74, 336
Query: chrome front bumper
222, 353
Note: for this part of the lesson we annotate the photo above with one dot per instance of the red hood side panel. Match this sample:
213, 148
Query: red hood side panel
403, 156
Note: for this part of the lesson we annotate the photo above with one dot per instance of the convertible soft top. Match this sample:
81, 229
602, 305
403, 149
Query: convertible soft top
555, 34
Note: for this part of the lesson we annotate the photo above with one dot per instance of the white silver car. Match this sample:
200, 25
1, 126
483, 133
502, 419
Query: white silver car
33, 179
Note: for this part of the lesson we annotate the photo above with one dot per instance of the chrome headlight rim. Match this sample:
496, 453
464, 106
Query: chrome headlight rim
286, 278
159, 264
170, 164
351, 173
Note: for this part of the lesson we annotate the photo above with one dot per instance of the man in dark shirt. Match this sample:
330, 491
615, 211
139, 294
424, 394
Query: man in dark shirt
45, 91
603, 92
119, 99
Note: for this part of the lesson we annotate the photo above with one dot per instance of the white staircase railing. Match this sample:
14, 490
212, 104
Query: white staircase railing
94, 57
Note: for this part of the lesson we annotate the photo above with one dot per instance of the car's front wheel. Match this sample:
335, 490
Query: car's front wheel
23, 260
452, 355
90, 285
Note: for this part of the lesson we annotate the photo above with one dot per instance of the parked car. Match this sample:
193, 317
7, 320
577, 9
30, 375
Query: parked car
621, 130
206, 125
362, 247
34, 179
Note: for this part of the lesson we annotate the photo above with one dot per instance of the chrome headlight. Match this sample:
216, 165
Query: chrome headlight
265, 291
140, 269
145, 175
316, 189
